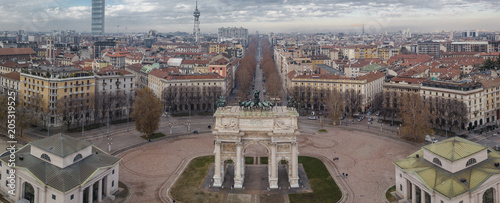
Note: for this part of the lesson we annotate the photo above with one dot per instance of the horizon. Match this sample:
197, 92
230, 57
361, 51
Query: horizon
319, 16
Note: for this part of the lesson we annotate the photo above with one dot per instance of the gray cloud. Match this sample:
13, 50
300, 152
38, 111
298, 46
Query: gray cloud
268, 15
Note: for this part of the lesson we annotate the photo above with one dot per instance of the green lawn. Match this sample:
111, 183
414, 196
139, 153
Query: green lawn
388, 195
187, 187
324, 187
153, 136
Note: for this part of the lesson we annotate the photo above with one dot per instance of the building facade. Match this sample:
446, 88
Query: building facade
51, 84
314, 89
60, 169
98, 13
10, 82
450, 171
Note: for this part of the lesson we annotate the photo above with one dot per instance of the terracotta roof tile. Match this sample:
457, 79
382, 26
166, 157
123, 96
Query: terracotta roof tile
12, 75
16, 51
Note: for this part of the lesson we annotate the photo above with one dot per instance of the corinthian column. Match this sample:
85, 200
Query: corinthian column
294, 180
273, 180
238, 180
217, 166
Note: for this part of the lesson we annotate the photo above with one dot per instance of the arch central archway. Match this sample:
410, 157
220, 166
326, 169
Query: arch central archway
256, 151
237, 129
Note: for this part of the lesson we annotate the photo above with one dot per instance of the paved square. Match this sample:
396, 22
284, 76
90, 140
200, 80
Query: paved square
367, 158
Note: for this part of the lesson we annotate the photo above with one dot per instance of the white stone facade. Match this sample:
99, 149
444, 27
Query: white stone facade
237, 128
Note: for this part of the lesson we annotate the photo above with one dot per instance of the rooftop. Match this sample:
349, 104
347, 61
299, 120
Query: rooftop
61, 145
12, 75
454, 149
447, 183
16, 51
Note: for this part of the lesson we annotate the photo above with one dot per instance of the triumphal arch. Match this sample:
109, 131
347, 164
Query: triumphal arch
237, 127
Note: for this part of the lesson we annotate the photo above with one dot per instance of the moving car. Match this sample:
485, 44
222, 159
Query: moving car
312, 117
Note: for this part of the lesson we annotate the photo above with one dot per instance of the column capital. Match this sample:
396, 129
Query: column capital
218, 142
239, 144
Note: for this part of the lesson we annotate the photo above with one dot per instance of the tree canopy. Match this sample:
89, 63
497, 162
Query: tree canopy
147, 111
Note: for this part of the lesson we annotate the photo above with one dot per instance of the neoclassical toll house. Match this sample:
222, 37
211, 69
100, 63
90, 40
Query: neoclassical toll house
454, 170
60, 168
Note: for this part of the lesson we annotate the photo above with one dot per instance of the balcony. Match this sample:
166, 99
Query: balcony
79, 92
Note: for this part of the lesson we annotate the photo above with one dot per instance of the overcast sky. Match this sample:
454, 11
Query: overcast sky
261, 15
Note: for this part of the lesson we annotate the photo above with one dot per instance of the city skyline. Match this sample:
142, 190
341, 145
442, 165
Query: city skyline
264, 16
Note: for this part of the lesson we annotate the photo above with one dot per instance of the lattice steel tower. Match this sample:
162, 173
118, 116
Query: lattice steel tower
196, 29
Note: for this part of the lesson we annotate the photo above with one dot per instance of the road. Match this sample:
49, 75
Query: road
257, 83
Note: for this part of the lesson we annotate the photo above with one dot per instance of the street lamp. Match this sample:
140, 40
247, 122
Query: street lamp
83, 125
128, 114
110, 139
189, 120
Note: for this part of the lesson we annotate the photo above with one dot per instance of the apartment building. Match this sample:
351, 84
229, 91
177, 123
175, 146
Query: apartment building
53, 83
10, 82
471, 93
367, 86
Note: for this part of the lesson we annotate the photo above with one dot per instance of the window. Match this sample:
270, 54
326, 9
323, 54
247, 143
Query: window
470, 162
436, 161
53, 197
112, 183
400, 187
113, 172
45, 156
77, 157
72, 197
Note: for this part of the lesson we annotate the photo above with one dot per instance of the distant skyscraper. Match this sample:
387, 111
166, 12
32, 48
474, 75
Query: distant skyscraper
98, 17
196, 29
406, 33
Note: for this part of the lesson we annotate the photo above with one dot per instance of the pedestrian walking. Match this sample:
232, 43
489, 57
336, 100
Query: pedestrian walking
343, 175
346, 175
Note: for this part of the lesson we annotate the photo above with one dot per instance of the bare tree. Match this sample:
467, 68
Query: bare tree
335, 105
353, 100
65, 111
415, 115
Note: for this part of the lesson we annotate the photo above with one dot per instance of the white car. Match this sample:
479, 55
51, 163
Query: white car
428, 138
312, 117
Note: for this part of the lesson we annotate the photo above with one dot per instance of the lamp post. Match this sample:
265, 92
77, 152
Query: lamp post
128, 115
189, 120
110, 139
107, 128
83, 126
392, 125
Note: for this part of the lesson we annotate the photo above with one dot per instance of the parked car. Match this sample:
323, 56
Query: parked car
195, 132
312, 117
428, 138
370, 119
377, 114
361, 118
